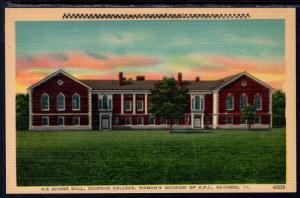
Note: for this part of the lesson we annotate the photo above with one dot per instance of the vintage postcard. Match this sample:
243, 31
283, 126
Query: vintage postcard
150, 100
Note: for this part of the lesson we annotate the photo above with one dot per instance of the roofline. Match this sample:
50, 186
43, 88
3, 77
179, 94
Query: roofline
54, 74
250, 76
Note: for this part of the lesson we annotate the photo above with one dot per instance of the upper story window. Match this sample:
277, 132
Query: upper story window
229, 102
60, 102
257, 102
197, 103
140, 105
105, 102
76, 102
127, 105
45, 102
243, 101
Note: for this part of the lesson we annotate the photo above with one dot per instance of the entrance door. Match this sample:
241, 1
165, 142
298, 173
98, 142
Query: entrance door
197, 121
105, 122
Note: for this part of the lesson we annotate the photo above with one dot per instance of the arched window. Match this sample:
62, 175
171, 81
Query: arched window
243, 101
60, 102
76, 102
257, 102
105, 102
45, 102
197, 103
229, 102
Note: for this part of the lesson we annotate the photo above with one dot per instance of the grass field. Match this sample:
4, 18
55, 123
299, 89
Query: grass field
153, 157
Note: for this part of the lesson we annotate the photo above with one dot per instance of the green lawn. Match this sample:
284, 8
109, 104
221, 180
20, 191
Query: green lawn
152, 157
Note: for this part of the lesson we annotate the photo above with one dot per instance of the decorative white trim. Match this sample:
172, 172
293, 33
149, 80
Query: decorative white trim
142, 102
109, 100
130, 105
100, 119
48, 101
56, 73
134, 103
76, 94
30, 110
248, 75
122, 103
201, 105
90, 109
51, 114
57, 106
270, 108
215, 109
146, 103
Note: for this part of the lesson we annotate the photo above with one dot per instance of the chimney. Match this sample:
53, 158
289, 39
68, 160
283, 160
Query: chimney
121, 78
140, 78
197, 79
179, 79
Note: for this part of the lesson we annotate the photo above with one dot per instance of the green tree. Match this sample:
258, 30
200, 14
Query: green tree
248, 114
278, 108
168, 100
22, 111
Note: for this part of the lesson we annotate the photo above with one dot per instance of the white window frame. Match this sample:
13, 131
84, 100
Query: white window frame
260, 98
116, 120
130, 105
74, 109
57, 106
138, 119
109, 99
231, 119
142, 102
161, 119
186, 120
241, 100
130, 120
258, 116
63, 118
78, 121
246, 121
175, 120
48, 101
201, 105
230, 95
47, 117
153, 119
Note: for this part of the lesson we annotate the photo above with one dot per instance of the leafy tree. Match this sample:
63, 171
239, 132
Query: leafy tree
168, 100
278, 108
249, 113
22, 111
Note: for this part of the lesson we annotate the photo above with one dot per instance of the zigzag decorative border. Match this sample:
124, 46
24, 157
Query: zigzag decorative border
156, 16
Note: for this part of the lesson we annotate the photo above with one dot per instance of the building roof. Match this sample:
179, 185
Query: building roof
149, 84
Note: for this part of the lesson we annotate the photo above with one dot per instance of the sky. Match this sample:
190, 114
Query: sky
211, 49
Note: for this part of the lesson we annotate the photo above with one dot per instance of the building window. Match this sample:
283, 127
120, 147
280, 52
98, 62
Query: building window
207, 120
45, 121
175, 121
257, 102
127, 120
140, 105
243, 120
45, 102
128, 104
229, 102
105, 102
76, 102
151, 120
257, 119
163, 121
243, 102
116, 120
198, 103
140, 120
229, 119
60, 121
76, 121
187, 119
60, 102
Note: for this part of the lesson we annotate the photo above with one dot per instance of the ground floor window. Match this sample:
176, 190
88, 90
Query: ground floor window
60, 121
45, 120
127, 120
229, 119
76, 121
175, 121
116, 120
140, 120
163, 121
243, 120
257, 120
151, 120
187, 119
207, 120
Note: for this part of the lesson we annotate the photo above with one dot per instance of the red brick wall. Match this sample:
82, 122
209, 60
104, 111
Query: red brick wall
116, 103
37, 120
52, 88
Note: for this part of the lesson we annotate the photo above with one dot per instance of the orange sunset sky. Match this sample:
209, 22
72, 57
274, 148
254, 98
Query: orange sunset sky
100, 49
